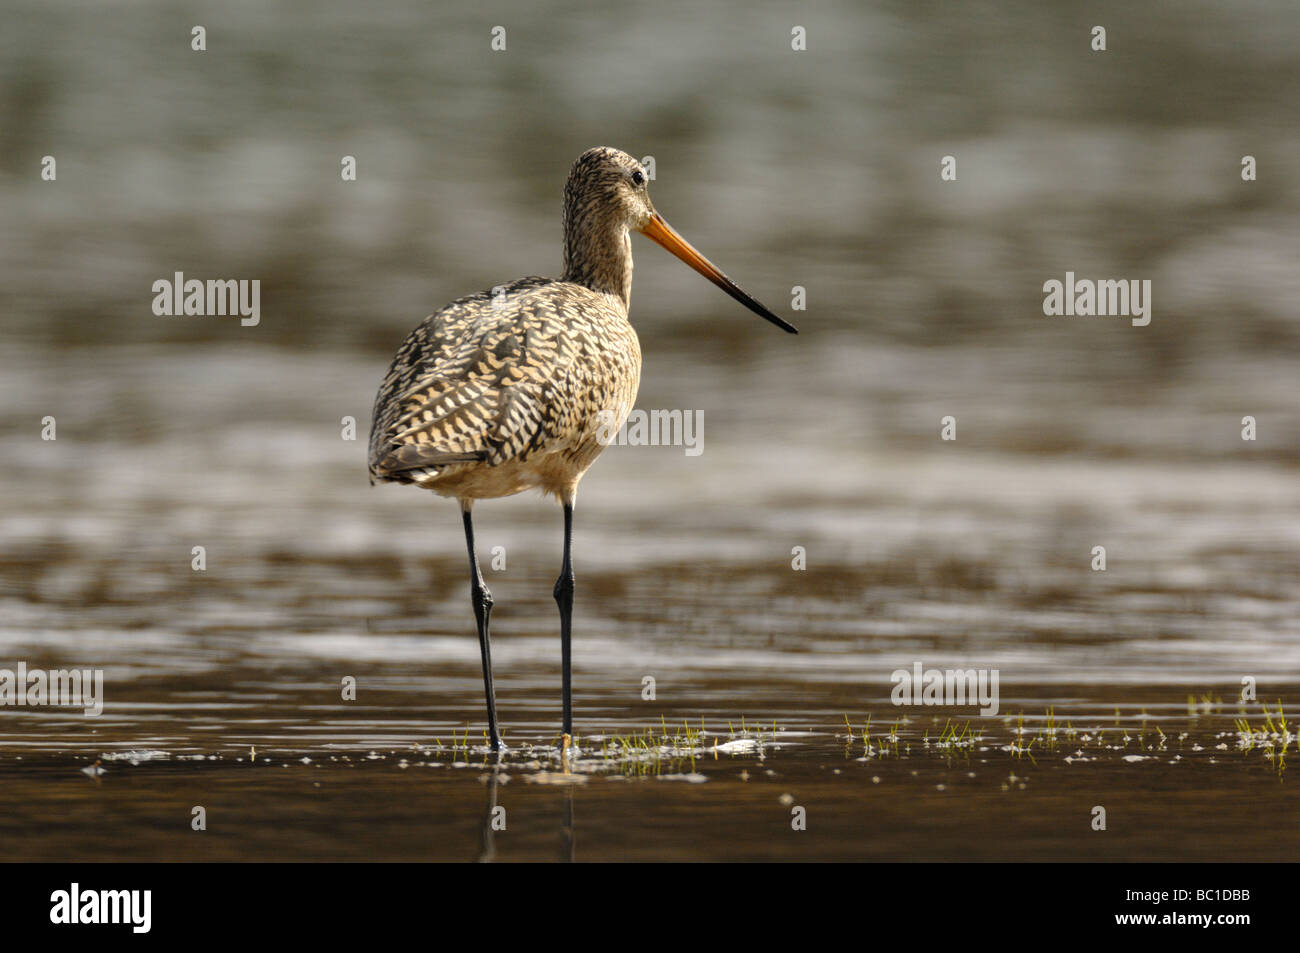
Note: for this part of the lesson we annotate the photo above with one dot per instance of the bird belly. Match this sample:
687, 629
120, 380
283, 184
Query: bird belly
556, 473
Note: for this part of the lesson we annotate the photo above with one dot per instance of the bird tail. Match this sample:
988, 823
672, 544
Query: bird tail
396, 463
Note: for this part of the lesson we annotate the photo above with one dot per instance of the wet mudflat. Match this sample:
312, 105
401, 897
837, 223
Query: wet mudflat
1174, 786
768, 698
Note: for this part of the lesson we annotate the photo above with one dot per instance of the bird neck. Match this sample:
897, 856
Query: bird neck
598, 254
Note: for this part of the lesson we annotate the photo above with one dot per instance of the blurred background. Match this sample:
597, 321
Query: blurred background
817, 168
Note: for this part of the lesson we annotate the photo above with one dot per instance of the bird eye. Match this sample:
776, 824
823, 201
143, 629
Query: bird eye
638, 179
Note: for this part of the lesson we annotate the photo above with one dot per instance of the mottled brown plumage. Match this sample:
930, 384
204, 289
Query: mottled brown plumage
513, 388
498, 393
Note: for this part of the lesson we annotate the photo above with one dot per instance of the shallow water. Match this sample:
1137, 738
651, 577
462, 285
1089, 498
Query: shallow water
223, 686
206, 670
330, 782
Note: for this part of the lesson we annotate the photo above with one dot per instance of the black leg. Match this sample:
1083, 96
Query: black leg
482, 610
564, 599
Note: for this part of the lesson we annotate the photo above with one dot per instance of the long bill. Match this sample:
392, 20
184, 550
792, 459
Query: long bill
660, 232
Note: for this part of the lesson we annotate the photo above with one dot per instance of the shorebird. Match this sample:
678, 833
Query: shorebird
514, 388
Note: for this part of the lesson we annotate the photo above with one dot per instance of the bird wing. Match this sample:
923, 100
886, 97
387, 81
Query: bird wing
484, 379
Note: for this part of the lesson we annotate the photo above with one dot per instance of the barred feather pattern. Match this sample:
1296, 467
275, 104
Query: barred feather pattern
503, 391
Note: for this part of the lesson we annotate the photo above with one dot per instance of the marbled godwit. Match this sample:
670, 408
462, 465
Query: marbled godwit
503, 391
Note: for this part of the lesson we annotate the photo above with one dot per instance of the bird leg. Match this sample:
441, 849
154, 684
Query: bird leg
564, 599
482, 599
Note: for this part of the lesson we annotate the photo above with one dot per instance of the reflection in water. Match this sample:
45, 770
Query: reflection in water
495, 819
568, 835
491, 820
